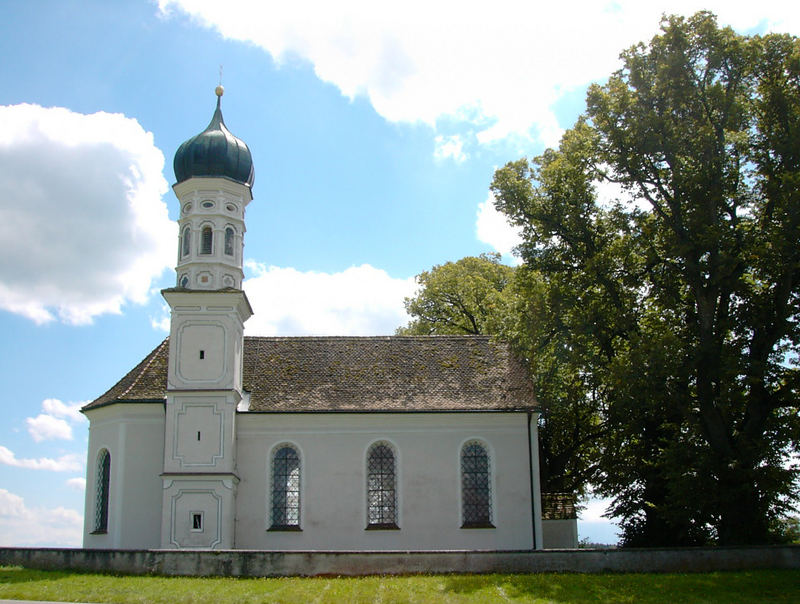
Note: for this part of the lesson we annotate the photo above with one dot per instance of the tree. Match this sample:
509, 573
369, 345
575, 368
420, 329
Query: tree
586, 317
682, 302
457, 298
704, 126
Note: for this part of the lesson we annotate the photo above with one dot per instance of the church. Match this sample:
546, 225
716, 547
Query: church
218, 440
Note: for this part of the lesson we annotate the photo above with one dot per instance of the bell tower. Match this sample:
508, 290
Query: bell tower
214, 177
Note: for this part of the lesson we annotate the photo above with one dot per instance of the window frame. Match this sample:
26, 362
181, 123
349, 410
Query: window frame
194, 517
102, 492
488, 518
203, 230
229, 242
273, 458
384, 523
186, 242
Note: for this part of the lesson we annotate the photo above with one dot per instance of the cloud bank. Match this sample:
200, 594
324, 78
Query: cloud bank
56, 420
83, 228
31, 527
361, 300
497, 68
71, 462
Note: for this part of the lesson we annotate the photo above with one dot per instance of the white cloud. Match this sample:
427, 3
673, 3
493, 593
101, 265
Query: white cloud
55, 422
77, 483
361, 300
449, 146
70, 462
70, 411
493, 228
499, 66
595, 510
161, 322
609, 193
46, 427
41, 527
83, 228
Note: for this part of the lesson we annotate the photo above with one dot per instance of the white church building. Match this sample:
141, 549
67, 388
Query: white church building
221, 441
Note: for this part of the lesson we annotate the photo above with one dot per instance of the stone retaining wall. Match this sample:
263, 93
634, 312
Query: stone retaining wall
265, 564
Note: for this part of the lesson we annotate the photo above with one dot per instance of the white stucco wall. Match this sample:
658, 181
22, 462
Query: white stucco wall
209, 496
333, 450
201, 429
134, 436
560, 534
218, 203
205, 342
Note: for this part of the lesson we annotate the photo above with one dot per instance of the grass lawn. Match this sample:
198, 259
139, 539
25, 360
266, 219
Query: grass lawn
733, 587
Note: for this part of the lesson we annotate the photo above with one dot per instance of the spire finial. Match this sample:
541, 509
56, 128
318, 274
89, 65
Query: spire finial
220, 90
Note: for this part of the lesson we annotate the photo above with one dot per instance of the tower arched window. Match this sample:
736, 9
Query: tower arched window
229, 234
186, 240
476, 491
285, 496
381, 487
206, 240
102, 487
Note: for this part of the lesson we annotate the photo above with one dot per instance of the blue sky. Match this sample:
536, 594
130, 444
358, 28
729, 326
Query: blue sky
374, 131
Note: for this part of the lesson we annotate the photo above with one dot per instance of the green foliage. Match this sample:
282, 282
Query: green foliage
702, 125
730, 588
787, 529
457, 298
673, 311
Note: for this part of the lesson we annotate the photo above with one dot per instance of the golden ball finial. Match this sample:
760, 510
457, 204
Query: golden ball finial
220, 90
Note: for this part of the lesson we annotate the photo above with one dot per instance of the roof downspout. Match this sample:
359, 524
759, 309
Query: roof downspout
530, 475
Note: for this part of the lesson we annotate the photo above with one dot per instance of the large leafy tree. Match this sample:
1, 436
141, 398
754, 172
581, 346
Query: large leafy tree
704, 125
579, 311
680, 303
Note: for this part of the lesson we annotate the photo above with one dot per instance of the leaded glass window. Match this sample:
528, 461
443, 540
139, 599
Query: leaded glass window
206, 240
186, 243
476, 492
285, 489
101, 493
381, 487
229, 241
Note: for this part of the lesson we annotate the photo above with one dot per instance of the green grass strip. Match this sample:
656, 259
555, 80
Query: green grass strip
728, 587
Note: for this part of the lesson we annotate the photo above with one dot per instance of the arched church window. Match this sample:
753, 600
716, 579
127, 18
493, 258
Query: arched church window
206, 240
476, 492
102, 487
186, 242
381, 487
229, 241
285, 505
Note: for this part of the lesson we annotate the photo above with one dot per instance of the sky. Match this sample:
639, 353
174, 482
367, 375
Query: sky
375, 129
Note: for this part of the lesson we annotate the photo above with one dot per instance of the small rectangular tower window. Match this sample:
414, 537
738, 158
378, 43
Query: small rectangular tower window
206, 241
202, 354
197, 521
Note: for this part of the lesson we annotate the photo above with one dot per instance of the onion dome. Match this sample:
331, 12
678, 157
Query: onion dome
215, 152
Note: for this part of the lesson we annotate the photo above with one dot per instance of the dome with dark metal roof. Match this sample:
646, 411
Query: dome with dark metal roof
215, 152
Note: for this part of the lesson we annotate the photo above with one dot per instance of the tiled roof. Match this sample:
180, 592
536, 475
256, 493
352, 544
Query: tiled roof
392, 373
145, 382
558, 506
